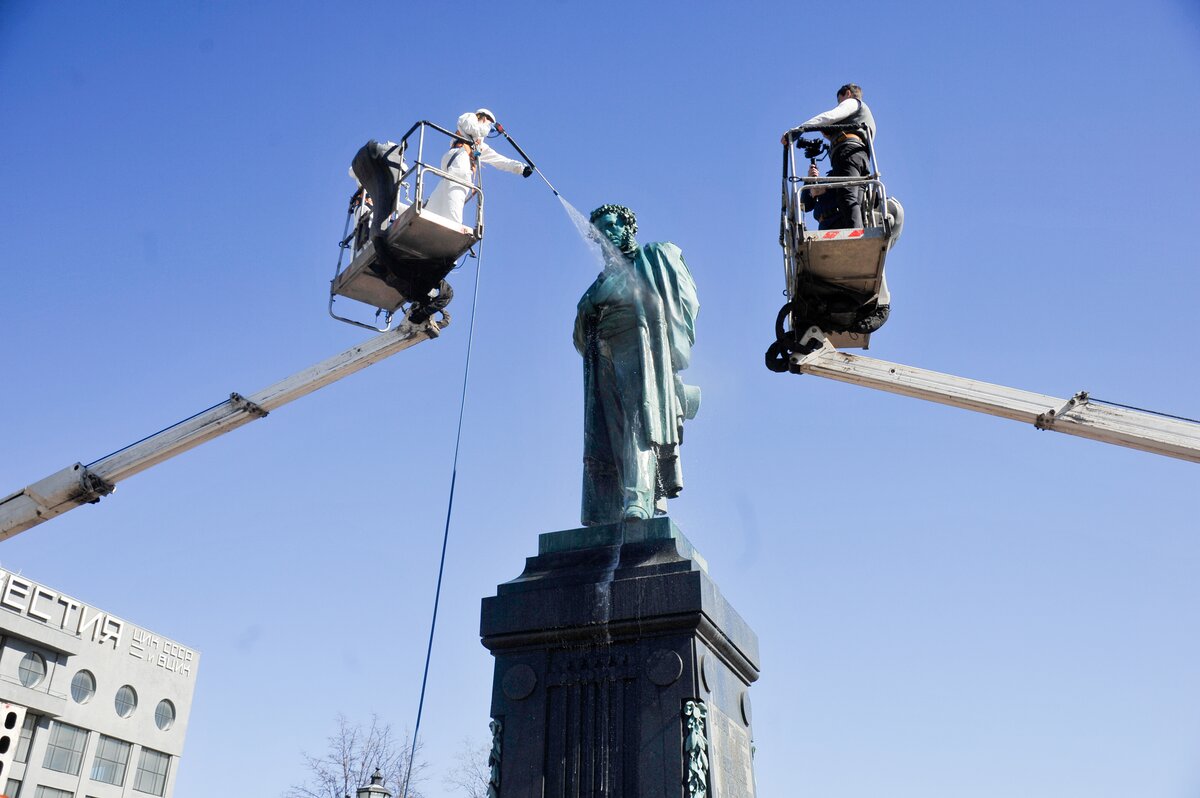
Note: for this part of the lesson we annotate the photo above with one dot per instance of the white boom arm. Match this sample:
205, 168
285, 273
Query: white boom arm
79, 484
1079, 415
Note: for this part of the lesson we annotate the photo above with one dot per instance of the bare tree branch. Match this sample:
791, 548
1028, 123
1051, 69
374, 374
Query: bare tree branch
469, 776
352, 755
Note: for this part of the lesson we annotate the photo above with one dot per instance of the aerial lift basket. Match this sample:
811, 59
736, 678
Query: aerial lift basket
831, 274
400, 251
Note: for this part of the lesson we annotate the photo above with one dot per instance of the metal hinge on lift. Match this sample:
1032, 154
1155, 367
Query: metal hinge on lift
95, 487
1046, 420
240, 402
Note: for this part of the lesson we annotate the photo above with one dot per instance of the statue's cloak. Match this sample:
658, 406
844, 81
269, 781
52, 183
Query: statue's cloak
659, 288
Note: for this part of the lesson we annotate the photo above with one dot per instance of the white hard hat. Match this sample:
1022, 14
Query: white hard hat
486, 112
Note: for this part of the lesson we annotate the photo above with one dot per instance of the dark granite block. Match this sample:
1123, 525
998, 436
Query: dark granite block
600, 644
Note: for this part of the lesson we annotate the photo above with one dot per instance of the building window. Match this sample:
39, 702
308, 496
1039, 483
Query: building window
26, 739
6, 734
32, 669
164, 715
52, 792
112, 756
126, 701
83, 687
13, 788
64, 751
151, 774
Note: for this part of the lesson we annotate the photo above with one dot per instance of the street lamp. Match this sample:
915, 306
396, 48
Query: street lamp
375, 789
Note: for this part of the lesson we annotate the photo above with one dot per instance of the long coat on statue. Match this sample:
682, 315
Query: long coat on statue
635, 328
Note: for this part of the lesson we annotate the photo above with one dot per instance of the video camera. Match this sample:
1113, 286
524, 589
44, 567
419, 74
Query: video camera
812, 148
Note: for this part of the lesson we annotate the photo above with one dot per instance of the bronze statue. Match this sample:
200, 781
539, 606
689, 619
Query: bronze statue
635, 328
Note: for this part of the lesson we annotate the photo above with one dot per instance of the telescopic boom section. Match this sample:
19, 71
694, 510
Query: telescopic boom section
80, 484
1080, 415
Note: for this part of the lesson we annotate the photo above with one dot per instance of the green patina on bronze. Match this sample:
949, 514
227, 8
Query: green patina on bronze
634, 327
695, 748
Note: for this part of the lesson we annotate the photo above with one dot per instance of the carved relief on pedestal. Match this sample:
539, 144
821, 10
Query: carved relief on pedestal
695, 748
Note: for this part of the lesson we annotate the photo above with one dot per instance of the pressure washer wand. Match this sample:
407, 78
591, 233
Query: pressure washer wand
527, 159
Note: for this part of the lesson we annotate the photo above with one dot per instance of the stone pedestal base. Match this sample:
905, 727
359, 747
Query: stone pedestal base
620, 671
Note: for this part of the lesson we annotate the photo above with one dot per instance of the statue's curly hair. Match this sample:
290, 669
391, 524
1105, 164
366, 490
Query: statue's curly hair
626, 216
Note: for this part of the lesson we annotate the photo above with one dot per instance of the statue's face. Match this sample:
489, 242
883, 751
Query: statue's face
612, 228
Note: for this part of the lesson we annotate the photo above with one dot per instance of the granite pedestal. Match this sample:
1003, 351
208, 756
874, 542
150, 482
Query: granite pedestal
620, 671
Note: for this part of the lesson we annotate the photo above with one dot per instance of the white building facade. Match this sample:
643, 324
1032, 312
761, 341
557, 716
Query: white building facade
91, 706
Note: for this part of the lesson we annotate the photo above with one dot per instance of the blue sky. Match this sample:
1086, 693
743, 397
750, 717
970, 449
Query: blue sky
946, 603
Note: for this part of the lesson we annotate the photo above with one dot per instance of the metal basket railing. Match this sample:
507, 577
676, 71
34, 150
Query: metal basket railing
792, 225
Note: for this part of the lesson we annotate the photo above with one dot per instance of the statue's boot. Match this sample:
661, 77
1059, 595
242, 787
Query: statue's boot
639, 505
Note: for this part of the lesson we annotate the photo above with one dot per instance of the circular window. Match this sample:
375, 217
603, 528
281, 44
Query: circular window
126, 701
83, 687
32, 669
164, 715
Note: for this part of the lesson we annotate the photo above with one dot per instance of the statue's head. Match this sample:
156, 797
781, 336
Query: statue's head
618, 224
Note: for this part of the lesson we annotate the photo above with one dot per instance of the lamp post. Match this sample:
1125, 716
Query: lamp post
375, 789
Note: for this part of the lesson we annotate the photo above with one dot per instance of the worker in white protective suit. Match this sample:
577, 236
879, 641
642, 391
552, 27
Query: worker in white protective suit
449, 197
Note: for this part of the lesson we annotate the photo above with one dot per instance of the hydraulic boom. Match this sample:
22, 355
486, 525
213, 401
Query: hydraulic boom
79, 484
1080, 415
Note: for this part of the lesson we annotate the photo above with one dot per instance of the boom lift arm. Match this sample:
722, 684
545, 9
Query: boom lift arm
1080, 415
79, 484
